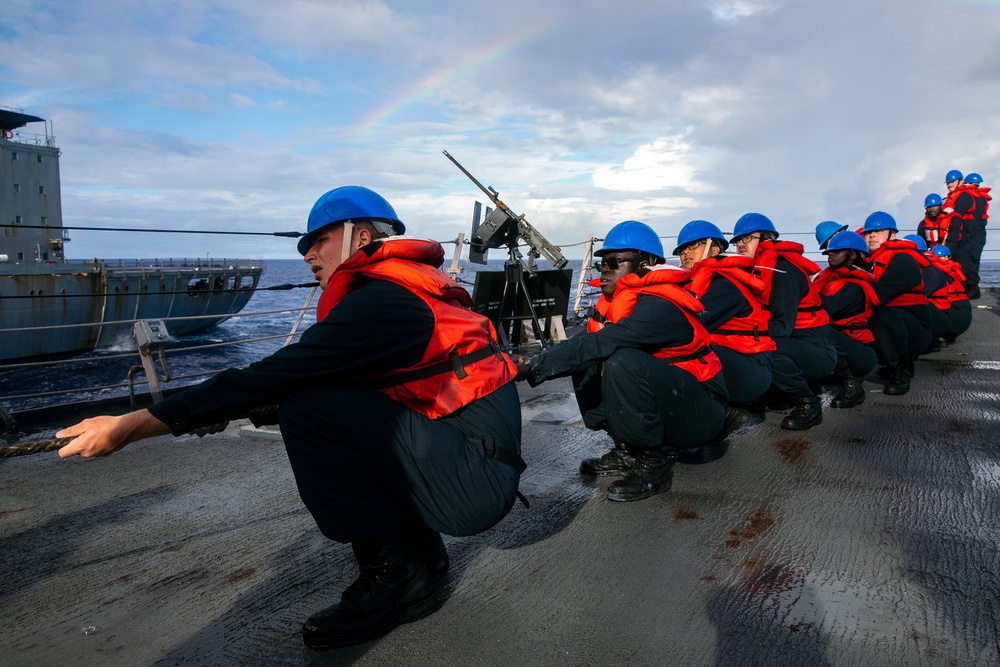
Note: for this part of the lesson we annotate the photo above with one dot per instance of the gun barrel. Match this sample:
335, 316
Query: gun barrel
492, 195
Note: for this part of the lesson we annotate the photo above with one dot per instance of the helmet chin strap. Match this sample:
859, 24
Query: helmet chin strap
346, 250
704, 253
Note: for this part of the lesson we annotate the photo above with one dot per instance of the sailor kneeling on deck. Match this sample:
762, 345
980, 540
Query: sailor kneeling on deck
397, 408
649, 376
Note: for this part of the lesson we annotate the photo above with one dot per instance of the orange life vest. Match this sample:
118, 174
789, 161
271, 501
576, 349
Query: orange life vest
949, 203
696, 357
748, 334
462, 361
598, 314
810, 313
830, 281
956, 290
935, 231
984, 194
880, 260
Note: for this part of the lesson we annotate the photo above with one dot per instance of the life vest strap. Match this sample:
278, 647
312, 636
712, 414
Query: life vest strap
738, 332
597, 317
698, 355
455, 363
511, 458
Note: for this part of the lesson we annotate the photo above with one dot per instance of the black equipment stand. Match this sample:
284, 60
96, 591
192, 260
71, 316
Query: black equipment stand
515, 290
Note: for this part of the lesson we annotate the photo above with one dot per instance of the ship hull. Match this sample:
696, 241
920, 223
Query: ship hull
59, 310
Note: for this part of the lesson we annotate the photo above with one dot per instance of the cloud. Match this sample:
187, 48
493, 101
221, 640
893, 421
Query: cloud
584, 115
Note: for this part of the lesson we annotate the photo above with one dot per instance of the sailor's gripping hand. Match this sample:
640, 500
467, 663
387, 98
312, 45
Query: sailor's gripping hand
101, 436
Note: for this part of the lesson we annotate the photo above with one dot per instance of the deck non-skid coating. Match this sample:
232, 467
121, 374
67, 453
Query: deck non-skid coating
871, 539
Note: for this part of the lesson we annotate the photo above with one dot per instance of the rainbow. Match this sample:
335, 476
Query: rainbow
410, 95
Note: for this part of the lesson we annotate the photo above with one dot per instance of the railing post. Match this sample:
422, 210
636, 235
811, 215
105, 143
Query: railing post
584, 269
455, 268
302, 313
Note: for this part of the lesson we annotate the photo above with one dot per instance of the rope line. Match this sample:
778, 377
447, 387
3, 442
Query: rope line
261, 416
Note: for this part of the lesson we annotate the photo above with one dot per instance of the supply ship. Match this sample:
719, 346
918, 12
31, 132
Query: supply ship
52, 307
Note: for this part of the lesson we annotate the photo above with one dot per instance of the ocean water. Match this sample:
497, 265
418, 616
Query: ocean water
95, 370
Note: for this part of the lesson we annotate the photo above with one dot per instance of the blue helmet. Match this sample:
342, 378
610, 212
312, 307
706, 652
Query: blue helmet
633, 235
847, 241
350, 203
826, 231
941, 250
932, 199
696, 230
919, 240
753, 222
879, 220
953, 175
973, 178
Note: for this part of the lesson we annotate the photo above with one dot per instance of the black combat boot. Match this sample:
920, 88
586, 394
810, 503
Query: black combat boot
428, 545
852, 391
899, 381
735, 418
808, 412
616, 462
652, 473
394, 588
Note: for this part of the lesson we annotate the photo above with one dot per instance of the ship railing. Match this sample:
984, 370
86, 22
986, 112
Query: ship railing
33, 139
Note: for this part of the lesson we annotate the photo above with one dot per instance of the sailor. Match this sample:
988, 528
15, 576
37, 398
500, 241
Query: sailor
961, 204
798, 324
976, 231
936, 226
961, 308
937, 289
733, 314
649, 377
902, 322
397, 409
846, 286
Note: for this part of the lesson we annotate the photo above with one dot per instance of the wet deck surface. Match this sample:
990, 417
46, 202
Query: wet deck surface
873, 539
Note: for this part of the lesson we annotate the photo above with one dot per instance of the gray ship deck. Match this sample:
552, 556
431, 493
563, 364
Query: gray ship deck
870, 540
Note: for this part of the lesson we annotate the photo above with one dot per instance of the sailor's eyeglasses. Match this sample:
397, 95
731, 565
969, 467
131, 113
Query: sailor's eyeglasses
613, 262
747, 239
691, 247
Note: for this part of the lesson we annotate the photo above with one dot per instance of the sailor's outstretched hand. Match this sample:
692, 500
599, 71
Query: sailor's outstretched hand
100, 436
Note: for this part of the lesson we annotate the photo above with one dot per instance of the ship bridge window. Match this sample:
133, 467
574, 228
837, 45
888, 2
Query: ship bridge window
196, 285
45, 220
17, 219
13, 156
17, 187
41, 189
39, 159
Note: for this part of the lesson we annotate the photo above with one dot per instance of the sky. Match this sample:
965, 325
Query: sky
237, 115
